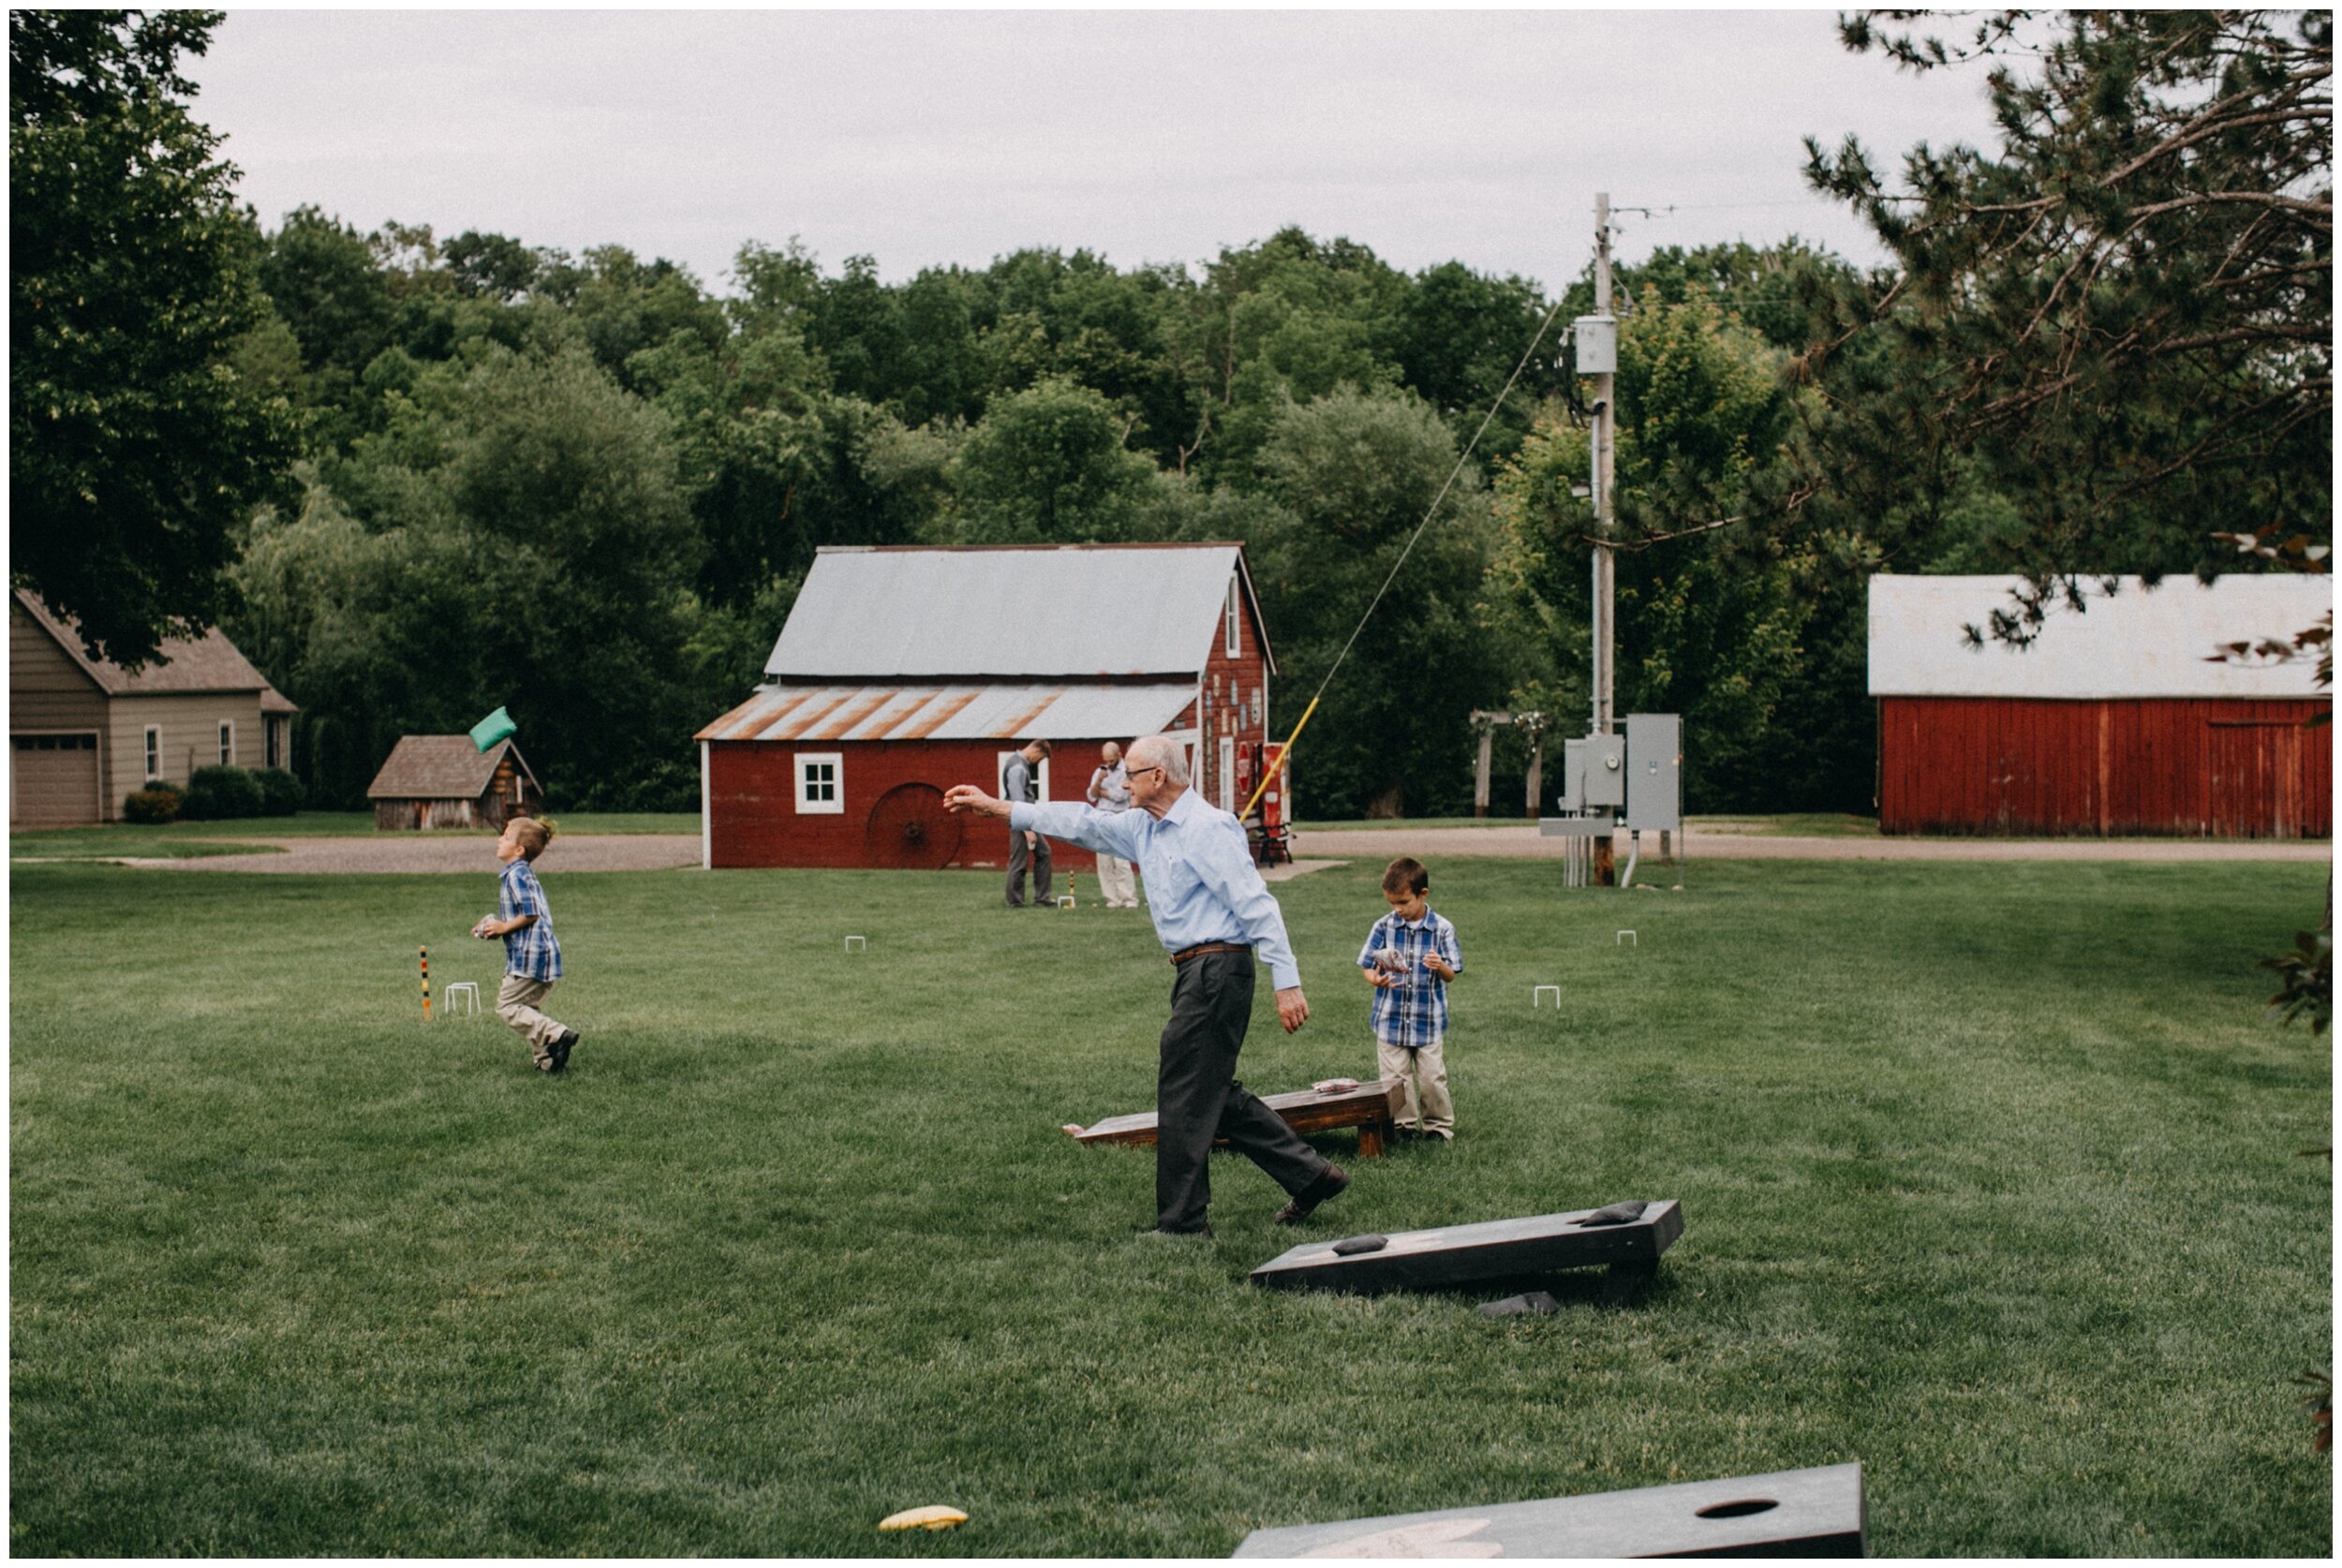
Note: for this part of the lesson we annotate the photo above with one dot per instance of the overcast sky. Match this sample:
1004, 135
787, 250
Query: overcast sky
928, 138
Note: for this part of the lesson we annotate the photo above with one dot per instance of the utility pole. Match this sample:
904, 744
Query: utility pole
1605, 512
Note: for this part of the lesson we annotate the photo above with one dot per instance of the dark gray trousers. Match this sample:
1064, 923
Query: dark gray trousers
1197, 1098
1017, 857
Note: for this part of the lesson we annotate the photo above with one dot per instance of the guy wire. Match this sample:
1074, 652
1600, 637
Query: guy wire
1269, 776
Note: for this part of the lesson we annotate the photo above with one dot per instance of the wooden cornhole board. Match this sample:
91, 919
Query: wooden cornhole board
1372, 1108
1790, 1512
1456, 1256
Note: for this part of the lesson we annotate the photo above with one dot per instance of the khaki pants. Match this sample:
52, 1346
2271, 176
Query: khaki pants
1115, 883
516, 1004
1423, 1074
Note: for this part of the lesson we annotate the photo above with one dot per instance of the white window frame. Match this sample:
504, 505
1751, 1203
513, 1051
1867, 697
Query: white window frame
800, 766
228, 743
154, 752
270, 728
1234, 641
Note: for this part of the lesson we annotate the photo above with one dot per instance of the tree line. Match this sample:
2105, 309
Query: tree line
417, 477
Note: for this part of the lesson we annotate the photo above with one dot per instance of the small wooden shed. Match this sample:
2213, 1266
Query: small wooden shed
444, 781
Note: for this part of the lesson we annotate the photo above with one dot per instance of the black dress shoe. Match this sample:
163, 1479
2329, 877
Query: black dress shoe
1305, 1202
561, 1049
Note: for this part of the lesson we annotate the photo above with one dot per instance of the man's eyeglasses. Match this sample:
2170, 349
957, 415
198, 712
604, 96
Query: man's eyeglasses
1134, 773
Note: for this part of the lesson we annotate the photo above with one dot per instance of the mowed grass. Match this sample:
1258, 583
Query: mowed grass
1991, 1177
186, 840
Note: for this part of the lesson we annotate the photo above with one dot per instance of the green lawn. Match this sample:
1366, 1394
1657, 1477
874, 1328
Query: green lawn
186, 840
1991, 1177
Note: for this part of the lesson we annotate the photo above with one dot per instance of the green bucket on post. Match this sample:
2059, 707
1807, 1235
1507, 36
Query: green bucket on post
496, 727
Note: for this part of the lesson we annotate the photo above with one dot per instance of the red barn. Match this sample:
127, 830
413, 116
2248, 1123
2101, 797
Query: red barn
905, 670
2113, 722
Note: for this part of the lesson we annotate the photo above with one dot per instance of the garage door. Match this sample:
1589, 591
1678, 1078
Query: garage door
52, 781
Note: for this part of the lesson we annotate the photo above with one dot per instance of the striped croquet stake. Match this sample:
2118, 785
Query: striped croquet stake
426, 983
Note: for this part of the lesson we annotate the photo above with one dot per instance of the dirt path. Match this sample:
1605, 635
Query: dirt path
658, 851
472, 854
1521, 841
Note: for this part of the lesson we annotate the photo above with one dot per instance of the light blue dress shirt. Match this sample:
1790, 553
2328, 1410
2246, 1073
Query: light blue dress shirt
1202, 885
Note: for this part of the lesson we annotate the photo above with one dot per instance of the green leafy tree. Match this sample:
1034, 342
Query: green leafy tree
2120, 320
136, 448
1340, 485
1048, 465
1712, 607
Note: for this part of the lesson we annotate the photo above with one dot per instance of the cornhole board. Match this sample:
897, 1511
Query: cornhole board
1372, 1108
1455, 1257
1790, 1512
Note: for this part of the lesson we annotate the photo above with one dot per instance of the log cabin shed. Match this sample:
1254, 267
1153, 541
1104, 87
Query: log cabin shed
84, 732
445, 781
2114, 722
905, 670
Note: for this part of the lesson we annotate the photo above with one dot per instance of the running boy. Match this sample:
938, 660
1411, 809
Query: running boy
1409, 958
532, 954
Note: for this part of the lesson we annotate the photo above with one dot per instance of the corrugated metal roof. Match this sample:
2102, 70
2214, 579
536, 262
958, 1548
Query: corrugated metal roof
1043, 612
1001, 712
2140, 643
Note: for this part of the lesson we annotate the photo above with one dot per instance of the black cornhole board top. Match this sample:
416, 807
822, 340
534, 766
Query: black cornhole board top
1816, 1513
1458, 1255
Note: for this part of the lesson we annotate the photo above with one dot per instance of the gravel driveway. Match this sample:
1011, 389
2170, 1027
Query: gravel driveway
470, 853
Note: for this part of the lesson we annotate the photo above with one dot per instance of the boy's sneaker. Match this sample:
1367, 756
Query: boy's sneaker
1305, 1202
561, 1049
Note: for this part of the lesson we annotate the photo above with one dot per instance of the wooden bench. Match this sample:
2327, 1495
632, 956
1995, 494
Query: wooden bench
1372, 1108
1790, 1512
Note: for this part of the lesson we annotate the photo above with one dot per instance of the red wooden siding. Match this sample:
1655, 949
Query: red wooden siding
1235, 702
2183, 767
752, 799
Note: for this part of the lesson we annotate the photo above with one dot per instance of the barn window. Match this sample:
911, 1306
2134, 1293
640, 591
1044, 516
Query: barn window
1234, 620
228, 743
821, 784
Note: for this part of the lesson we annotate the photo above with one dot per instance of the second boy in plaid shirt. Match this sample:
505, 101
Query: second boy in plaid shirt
1409, 958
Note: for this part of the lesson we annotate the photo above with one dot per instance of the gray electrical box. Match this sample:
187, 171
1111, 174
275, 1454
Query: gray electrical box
1597, 345
1572, 794
1655, 772
1605, 771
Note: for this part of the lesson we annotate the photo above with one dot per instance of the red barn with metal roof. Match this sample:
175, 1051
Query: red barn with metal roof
905, 670
2116, 720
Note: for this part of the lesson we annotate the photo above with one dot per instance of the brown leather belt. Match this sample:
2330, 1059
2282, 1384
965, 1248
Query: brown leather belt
1201, 948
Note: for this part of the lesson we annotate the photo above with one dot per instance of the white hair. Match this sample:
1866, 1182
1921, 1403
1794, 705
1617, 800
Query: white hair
1159, 751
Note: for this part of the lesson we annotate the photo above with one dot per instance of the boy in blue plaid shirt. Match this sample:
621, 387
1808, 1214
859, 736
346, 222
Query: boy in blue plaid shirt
1409, 958
532, 954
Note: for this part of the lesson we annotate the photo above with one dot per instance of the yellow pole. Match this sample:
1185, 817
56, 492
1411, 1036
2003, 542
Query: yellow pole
1269, 776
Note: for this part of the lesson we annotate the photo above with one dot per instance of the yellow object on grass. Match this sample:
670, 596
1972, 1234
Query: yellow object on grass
935, 1517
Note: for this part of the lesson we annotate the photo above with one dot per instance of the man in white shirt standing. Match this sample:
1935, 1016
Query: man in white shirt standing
1110, 791
1210, 911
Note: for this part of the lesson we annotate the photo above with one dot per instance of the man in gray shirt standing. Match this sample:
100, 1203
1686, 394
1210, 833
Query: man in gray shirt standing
1020, 782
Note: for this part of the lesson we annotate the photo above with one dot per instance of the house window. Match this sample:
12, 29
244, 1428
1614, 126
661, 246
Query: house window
228, 743
153, 752
821, 784
274, 730
1234, 613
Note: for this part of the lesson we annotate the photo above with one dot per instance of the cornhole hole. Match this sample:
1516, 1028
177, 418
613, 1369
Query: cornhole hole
1372, 1108
1455, 1257
1790, 1512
